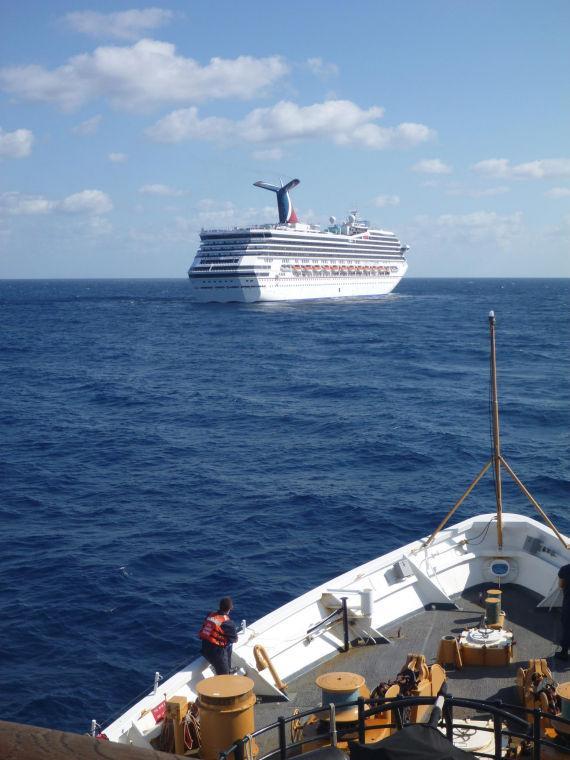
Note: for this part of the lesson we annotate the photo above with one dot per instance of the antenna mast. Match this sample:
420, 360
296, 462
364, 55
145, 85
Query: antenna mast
496, 434
496, 461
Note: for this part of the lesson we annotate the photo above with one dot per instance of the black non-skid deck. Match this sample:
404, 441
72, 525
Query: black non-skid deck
536, 633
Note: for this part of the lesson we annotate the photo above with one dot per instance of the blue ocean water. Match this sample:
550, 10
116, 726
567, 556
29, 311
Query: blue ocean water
157, 454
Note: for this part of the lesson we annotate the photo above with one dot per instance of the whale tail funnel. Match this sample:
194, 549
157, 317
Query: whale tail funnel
286, 211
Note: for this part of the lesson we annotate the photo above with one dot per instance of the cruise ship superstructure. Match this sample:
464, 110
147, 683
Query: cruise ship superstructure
293, 261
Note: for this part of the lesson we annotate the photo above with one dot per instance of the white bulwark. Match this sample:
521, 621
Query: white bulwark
381, 592
294, 261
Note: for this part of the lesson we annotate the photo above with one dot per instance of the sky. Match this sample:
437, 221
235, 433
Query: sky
126, 128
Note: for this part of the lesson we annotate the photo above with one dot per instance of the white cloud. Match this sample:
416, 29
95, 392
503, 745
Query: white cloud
483, 193
17, 144
117, 158
16, 204
539, 169
558, 192
157, 189
269, 154
87, 202
88, 127
432, 166
209, 214
560, 232
213, 213
142, 76
475, 228
492, 167
386, 200
340, 121
125, 25
321, 68
90, 202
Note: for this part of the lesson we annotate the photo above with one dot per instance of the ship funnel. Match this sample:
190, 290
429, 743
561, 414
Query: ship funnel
284, 205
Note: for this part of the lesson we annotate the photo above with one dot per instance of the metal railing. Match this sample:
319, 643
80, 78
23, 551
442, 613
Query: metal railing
508, 720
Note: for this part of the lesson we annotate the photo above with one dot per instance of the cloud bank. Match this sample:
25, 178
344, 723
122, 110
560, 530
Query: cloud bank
381, 201
539, 169
143, 76
91, 202
341, 121
17, 144
558, 192
322, 69
501, 230
268, 154
158, 189
432, 166
124, 25
88, 127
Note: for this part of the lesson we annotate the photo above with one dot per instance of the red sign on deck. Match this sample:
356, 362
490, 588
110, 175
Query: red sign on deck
159, 711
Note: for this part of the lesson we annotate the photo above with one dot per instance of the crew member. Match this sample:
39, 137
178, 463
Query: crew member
218, 633
564, 583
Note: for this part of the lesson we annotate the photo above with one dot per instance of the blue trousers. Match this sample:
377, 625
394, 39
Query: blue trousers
220, 658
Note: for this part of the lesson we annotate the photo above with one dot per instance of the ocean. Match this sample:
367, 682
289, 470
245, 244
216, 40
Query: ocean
158, 454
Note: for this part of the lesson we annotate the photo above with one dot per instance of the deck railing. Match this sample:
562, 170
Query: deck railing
508, 720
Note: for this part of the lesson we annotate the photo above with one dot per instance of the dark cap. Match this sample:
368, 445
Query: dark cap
226, 604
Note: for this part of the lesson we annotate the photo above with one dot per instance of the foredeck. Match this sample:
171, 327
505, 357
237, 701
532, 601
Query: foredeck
535, 633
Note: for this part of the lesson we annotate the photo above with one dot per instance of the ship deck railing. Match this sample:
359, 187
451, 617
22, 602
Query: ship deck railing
508, 721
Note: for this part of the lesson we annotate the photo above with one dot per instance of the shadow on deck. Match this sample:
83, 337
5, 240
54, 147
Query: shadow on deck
535, 633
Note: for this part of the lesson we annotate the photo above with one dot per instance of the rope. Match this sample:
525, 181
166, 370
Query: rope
248, 741
192, 735
296, 727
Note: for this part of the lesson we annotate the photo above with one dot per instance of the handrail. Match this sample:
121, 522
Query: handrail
501, 712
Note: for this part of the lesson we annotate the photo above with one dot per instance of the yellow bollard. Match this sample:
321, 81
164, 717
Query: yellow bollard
226, 706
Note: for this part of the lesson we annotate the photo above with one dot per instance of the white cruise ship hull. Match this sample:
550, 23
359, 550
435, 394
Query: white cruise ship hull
255, 289
296, 262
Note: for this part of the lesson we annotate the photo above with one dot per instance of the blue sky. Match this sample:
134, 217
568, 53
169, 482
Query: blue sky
126, 128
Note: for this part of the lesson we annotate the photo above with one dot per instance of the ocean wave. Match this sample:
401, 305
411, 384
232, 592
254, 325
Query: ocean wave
159, 454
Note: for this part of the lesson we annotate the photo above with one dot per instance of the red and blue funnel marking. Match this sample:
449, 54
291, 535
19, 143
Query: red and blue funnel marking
287, 213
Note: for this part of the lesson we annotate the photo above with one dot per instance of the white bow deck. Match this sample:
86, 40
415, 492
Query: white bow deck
379, 599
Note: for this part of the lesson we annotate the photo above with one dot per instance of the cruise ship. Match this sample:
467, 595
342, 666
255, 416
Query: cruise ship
290, 261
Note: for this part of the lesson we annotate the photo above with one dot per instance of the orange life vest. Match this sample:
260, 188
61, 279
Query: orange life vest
211, 629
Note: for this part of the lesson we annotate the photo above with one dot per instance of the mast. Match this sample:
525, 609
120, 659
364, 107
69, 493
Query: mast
496, 433
496, 461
